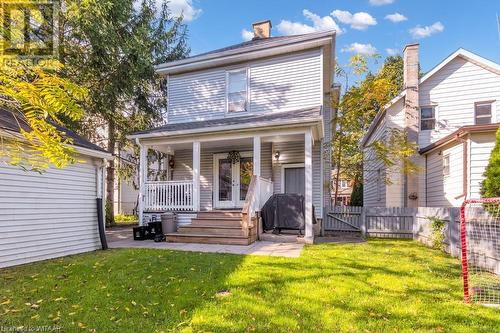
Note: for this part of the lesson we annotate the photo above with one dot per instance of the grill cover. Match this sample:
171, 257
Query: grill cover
284, 211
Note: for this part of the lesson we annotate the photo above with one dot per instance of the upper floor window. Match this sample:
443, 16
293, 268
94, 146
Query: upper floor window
482, 113
446, 165
237, 90
427, 118
344, 183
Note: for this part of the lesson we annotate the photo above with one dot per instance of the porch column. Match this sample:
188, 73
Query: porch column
256, 166
142, 180
309, 234
196, 175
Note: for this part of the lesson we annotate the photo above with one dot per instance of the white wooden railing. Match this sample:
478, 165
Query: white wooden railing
259, 191
168, 195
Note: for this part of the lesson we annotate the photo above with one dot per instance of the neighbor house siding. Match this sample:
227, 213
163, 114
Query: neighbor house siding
293, 153
47, 215
374, 187
454, 90
481, 145
183, 168
278, 84
445, 191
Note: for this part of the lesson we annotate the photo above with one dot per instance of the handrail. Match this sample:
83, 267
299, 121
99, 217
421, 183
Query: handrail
247, 211
257, 195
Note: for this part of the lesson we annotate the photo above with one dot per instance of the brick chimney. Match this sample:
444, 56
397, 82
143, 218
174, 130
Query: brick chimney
411, 107
262, 29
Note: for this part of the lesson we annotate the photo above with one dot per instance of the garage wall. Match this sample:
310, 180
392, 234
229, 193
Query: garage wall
47, 215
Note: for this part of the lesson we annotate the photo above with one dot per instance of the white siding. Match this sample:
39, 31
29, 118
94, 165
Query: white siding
455, 89
445, 191
374, 189
47, 215
394, 189
481, 146
278, 84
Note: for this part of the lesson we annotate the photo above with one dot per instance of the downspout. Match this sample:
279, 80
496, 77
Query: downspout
141, 181
425, 180
101, 175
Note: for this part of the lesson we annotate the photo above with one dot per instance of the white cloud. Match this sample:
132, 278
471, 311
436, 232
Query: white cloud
358, 21
422, 32
392, 52
366, 49
184, 7
246, 35
396, 17
380, 2
318, 24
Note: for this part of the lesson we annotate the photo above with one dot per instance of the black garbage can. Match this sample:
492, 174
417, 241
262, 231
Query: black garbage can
154, 229
141, 232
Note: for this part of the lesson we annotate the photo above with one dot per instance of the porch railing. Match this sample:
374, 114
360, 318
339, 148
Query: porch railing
259, 191
168, 195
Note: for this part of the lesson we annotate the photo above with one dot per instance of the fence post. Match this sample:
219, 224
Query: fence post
363, 221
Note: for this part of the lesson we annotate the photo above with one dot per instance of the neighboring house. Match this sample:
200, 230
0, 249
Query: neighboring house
54, 213
452, 112
344, 191
244, 122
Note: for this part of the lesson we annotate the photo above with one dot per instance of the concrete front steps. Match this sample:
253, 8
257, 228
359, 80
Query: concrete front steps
214, 227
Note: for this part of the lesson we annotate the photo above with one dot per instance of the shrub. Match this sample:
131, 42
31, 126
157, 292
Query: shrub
437, 236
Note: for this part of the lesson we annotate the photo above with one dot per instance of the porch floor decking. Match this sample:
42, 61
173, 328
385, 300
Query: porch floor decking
122, 238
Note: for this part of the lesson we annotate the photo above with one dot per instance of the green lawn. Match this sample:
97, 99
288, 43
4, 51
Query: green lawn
379, 286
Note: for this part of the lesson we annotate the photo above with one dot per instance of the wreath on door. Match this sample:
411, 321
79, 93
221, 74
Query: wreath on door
233, 157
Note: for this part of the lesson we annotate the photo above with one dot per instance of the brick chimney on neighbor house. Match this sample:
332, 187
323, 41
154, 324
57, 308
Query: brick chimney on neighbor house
262, 29
411, 107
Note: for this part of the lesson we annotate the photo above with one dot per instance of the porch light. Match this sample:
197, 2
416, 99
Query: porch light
277, 155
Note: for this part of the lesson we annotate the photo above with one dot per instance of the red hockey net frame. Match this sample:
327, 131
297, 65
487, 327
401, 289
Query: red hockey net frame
480, 240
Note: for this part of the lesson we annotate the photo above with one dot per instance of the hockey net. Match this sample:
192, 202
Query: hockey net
480, 240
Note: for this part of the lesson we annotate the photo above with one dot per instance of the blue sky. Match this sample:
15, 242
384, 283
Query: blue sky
440, 26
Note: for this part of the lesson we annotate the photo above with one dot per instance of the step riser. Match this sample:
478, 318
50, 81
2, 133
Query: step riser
209, 240
216, 222
219, 214
211, 231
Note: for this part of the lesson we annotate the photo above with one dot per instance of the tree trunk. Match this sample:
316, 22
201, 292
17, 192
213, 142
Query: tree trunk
110, 179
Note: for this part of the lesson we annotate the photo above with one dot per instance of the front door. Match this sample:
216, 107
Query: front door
231, 180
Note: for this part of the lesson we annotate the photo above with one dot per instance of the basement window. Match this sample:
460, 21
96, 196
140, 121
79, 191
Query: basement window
427, 118
482, 113
446, 165
237, 90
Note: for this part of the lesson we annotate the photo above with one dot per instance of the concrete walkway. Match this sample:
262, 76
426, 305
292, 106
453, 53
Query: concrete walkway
122, 238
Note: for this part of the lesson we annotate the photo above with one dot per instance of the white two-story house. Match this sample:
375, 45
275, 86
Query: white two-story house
244, 122
452, 113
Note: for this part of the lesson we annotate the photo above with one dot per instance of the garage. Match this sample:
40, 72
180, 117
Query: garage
54, 213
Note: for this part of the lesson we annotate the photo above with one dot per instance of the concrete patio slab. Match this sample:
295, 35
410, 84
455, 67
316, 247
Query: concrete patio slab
122, 238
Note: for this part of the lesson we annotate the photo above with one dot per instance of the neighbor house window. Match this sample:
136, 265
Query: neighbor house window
427, 118
446, 165
237, 90
482, 113
344, 183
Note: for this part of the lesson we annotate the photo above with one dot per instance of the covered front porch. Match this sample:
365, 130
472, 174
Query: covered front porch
217, 183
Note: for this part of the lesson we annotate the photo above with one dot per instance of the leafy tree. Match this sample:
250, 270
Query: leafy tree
356, 111
357, 194
491, 184
111, 47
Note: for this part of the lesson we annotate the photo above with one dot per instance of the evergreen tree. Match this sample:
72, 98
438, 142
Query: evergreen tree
491, 184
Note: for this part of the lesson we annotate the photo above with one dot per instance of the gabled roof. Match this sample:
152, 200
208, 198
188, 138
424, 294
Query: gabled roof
300, 116
10, 122
463, 53
464, 130
247, 51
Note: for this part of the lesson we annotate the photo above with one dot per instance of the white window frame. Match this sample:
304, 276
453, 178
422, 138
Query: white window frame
492, 110
434, 110
446, 167
234, 70
346, 182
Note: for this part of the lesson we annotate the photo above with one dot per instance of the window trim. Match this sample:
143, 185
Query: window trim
446, 157
492, 108
234, 70
434, 111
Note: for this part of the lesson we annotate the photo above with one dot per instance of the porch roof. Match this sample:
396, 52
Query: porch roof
254, 120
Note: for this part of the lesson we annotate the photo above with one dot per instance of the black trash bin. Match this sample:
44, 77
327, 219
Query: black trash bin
154, 229
141, 232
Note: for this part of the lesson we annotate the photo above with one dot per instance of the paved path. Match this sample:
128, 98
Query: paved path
122, 238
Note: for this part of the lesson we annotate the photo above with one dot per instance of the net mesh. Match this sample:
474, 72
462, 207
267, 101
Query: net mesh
480, 238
